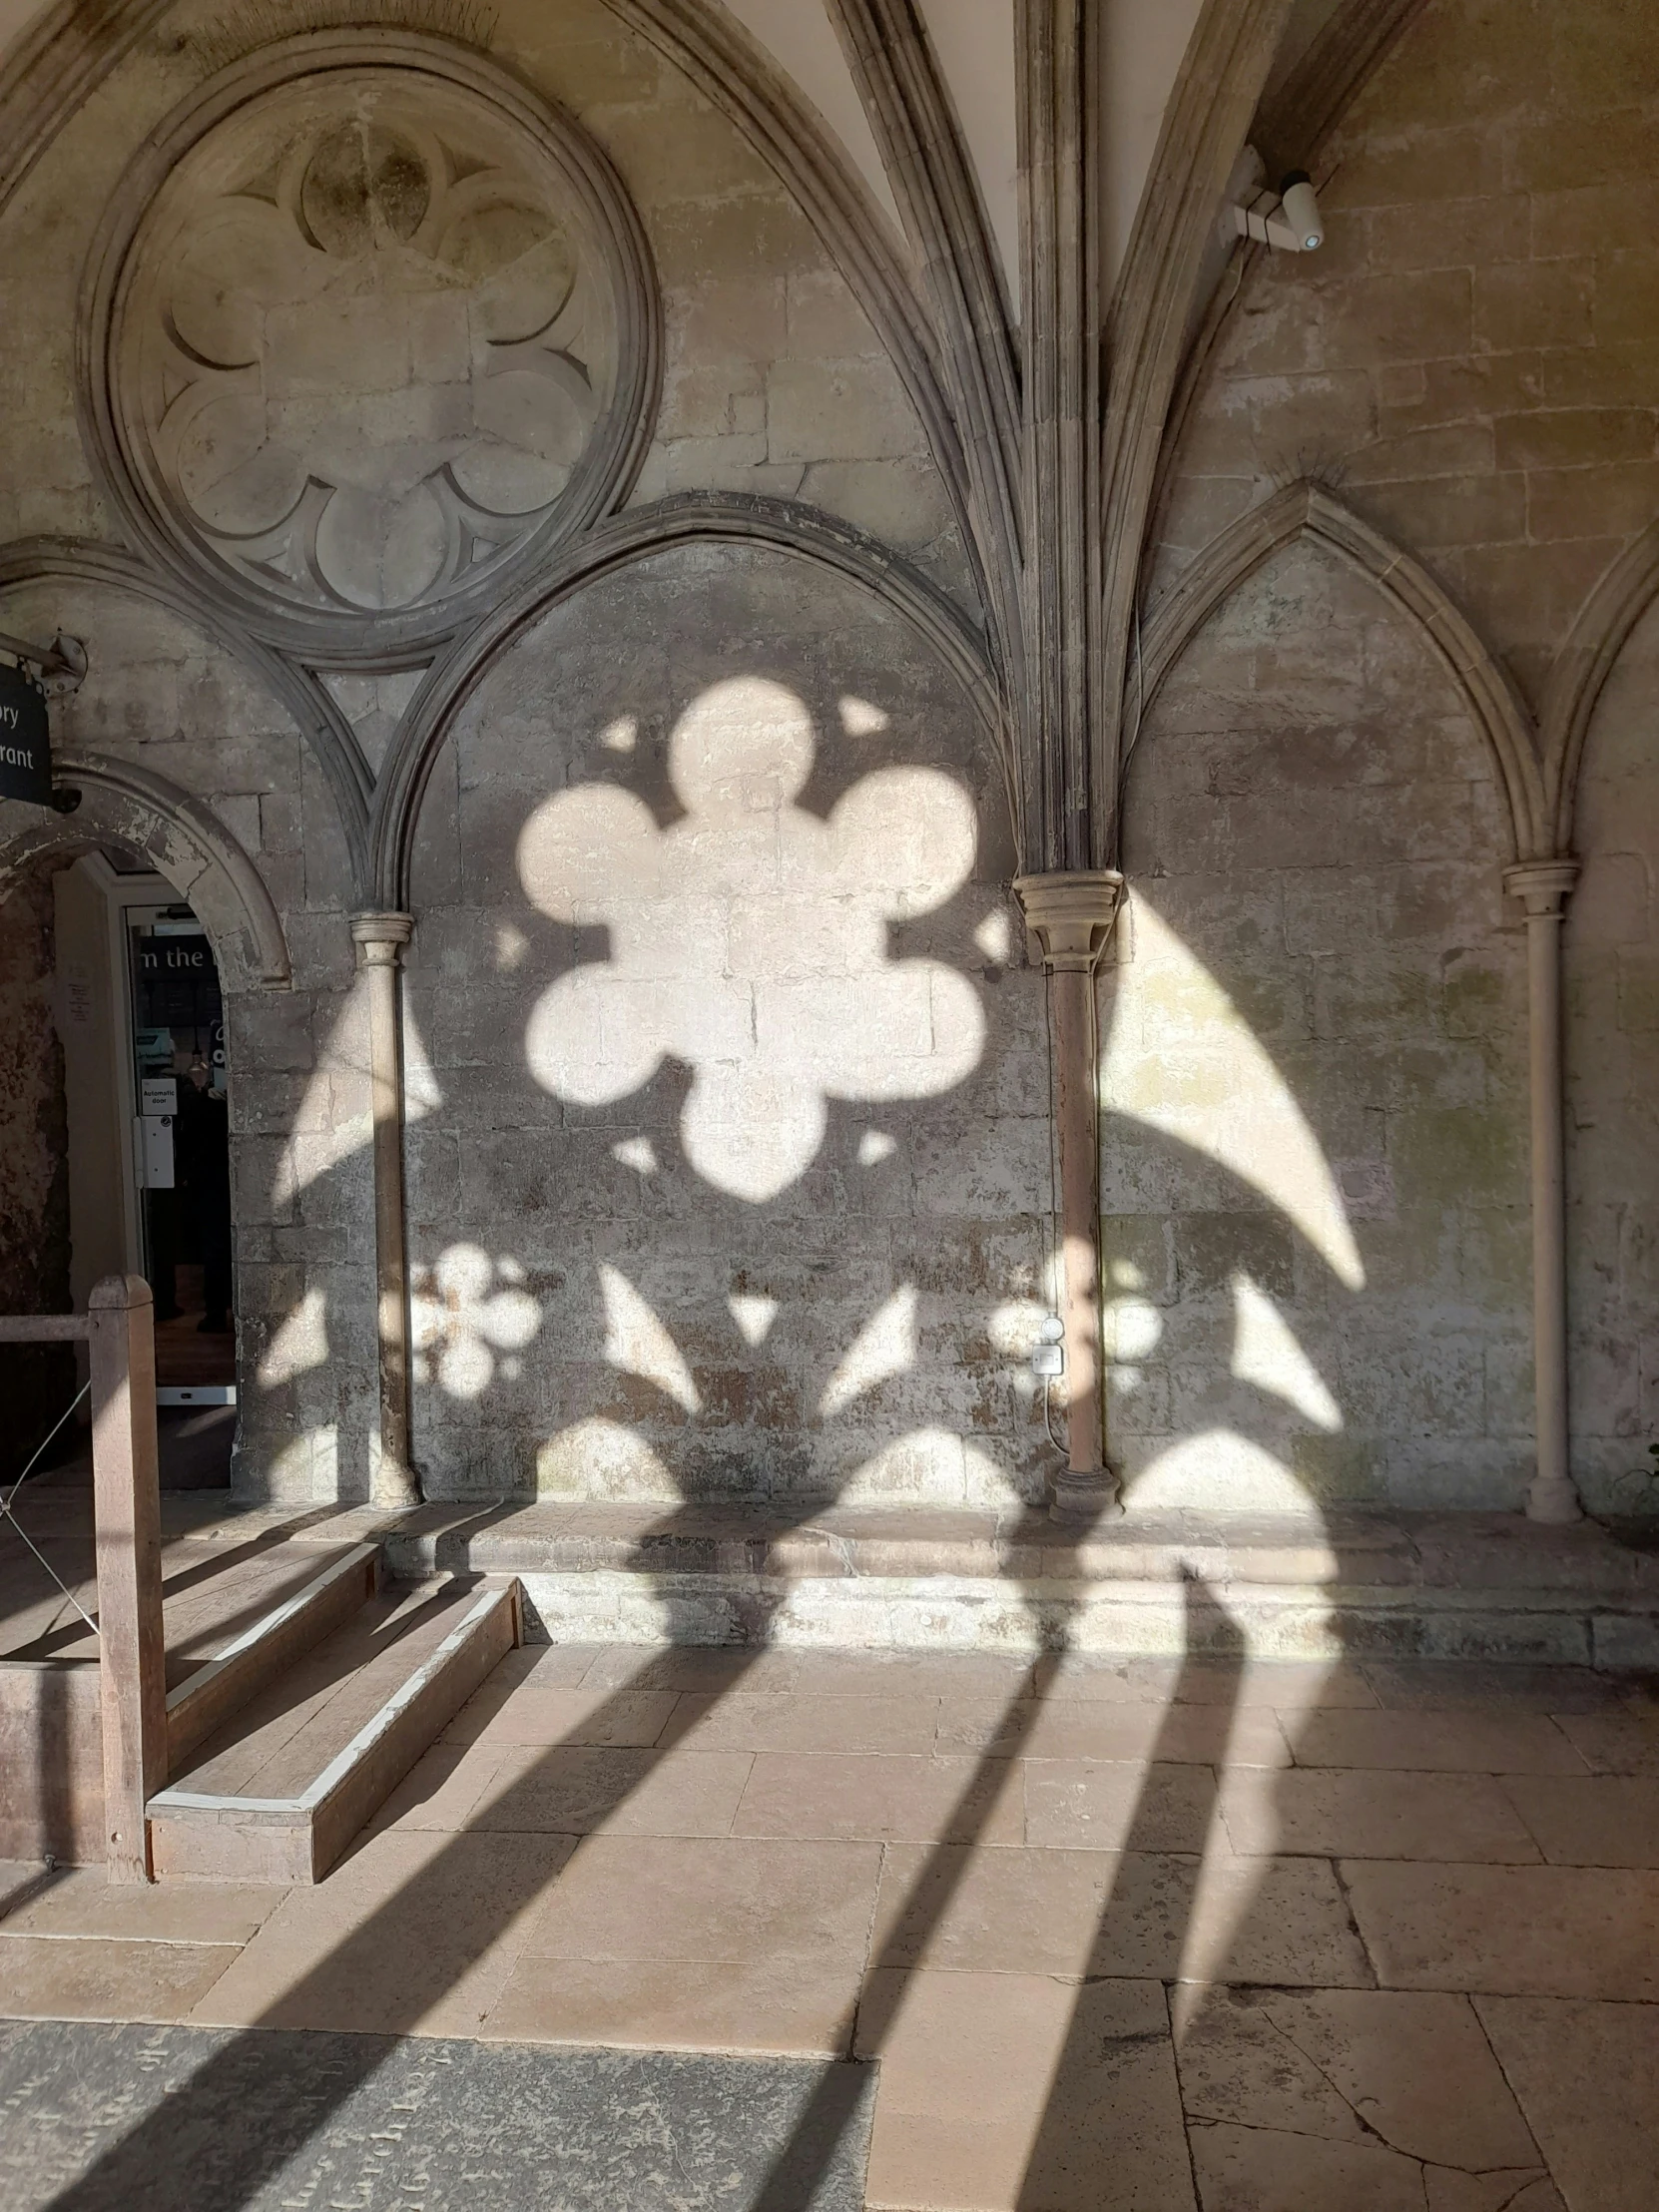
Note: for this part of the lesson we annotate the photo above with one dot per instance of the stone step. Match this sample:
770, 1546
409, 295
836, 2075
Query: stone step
278, 1792
1400, 1584
199, 1705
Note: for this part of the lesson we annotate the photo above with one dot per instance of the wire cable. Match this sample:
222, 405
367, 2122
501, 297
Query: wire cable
10, 1498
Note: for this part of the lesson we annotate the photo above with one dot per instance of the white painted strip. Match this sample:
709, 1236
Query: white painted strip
193, 1801
270, 1624
336, 1772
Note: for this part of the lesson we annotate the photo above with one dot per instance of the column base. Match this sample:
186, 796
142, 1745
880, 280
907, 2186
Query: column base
1082, 1499
393, 1488
1553, 1500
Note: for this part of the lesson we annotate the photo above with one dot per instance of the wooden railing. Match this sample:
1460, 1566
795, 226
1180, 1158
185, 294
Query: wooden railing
119, 1328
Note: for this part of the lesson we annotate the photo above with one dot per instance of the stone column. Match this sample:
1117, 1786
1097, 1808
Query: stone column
1542, 888
380, 939
1071, 915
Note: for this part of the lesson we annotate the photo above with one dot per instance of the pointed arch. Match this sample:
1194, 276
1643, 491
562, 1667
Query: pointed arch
316, 715
799, 532
181, 837
1579, 671
1306, 510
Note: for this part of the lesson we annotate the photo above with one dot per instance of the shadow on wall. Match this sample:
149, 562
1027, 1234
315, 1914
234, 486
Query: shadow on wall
730, 1183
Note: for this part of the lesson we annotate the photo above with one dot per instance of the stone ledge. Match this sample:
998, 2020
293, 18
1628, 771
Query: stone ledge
1453, 1551
1438, 1585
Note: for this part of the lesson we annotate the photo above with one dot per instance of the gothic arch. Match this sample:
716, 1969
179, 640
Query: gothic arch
319, 720
1304, 509
800, 533
182, 838
1600, 632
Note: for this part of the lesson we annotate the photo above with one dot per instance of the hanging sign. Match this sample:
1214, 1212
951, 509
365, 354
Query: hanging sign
25, 745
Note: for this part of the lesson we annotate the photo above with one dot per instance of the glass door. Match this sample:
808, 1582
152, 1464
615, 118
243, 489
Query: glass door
181, 1150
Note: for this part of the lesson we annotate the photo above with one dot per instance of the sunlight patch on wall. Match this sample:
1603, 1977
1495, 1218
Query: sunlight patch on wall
754, 1317
309, 1466
995, 937
637, 1342
1219, 1469
749, 941
1266, 1352
886, 1344
333, 1118
928, 1467
301, 1342
860, 719
1182, 1059
600, 1458
468, 1312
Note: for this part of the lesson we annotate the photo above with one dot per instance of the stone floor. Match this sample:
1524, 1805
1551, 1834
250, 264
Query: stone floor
1138, 1935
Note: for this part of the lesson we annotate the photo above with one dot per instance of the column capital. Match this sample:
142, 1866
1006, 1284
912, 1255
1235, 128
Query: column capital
1541, 886
380, 937
1070, 914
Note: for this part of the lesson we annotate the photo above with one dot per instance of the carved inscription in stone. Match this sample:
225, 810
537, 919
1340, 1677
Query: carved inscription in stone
366, 343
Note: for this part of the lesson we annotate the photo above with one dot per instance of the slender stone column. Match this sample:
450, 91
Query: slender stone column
380, 939
1071, 917
1542, 888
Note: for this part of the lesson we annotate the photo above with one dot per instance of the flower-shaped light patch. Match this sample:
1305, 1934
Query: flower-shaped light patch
750, 940
462, 1320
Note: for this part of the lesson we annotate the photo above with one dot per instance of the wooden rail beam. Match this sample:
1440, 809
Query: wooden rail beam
127, 1516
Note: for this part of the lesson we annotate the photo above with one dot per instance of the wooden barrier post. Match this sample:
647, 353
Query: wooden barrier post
126, 1518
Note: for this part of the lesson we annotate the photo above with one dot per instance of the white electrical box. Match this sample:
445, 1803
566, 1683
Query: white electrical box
1049, 1359
154, 1151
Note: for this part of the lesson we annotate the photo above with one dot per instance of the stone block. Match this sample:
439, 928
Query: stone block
1451, 234
822, 410
1425, 315
1523, 305
1210, 1249
1449, 510
1574, 437
1567, 152
1619, 498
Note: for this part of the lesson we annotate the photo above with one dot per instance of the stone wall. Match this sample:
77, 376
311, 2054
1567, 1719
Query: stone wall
736, 1143
1469, 363
1314, 1175
1469, 356
772, 382
728, 1084
1612, 1049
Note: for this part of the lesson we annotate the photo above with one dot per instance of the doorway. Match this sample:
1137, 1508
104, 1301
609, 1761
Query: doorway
141, 1021
182, 1145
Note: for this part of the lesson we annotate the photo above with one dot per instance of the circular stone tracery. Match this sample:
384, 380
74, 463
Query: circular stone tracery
375, 339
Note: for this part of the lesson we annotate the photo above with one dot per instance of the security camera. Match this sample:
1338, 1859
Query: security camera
1289, 219
1300, 208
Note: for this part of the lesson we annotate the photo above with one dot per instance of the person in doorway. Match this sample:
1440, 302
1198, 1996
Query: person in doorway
201, 1150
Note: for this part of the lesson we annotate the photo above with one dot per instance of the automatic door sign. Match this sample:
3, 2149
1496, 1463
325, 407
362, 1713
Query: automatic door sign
25, 747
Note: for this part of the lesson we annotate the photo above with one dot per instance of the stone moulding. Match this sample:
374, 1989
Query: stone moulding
1206, 121
938, 191
1306, 510
727, 66
57, 64
780, 526
273, 580
182, 838
1600, 632
316, 715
